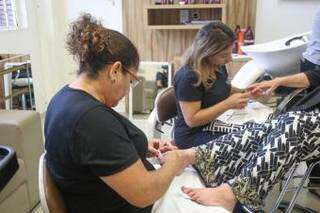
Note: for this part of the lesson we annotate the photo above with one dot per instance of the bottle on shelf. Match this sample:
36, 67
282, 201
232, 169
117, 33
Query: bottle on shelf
241, 41
248, 36
235, 44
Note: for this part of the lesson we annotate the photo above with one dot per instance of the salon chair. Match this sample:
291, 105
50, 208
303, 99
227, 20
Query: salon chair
280, 58
50, 197
8, 165
163, 113
299, 99
21, 131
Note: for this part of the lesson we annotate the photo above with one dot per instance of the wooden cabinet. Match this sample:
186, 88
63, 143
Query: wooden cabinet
183, 17
232, 68
163, 45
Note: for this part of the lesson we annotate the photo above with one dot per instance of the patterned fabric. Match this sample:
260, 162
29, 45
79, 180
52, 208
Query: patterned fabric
253, 157
218, 126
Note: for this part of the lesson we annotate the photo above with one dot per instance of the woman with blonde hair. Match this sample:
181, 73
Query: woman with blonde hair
201, 85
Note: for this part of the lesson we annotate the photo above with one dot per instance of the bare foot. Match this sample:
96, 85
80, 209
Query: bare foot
218, 196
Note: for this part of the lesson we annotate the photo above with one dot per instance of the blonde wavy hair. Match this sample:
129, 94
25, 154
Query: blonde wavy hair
211, 39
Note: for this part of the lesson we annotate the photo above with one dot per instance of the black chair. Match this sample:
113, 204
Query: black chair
8, 165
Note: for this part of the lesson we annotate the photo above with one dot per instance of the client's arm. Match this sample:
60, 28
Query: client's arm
299, 80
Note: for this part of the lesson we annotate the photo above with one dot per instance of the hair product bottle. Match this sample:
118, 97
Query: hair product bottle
235, 44
241, 41
248, 36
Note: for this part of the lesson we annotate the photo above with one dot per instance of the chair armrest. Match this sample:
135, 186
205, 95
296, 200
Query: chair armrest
8, 165
21, 130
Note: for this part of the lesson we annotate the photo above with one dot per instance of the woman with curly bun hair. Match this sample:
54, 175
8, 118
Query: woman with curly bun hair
97, 158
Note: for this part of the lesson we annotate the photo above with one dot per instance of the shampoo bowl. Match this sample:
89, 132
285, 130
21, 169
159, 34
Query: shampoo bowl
277, 58
280, 57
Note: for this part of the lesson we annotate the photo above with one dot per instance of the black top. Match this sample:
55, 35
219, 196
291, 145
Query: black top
86, 140
185, 90
312, 72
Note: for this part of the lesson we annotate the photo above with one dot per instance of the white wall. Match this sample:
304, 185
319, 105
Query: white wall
279, 18
108, 11
44, 40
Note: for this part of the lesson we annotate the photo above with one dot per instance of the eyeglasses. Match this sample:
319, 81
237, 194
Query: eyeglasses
135, 80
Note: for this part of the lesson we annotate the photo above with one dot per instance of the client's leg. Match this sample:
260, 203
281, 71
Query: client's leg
295, 138
222, 159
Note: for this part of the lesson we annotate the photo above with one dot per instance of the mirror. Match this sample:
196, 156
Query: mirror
154, 77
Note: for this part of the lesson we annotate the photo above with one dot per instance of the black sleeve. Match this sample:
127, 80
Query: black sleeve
102, 143
313, 77
185, 88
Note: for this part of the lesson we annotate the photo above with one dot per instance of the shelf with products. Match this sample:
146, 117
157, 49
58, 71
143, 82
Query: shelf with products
183, 17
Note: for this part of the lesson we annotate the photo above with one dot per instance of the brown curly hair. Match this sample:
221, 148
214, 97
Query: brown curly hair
94, 46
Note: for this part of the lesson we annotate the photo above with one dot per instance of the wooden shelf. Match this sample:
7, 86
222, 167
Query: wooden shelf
176, 27
169, 17
184, 6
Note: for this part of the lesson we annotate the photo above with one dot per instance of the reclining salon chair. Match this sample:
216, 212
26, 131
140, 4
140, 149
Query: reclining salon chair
298, 99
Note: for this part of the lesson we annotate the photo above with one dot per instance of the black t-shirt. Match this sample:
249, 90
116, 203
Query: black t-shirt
185, 90
312, 72
86, 140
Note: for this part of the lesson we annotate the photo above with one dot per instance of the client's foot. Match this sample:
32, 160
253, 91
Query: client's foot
218, 196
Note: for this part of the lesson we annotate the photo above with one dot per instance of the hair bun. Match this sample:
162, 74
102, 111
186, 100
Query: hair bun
95, 46
87, 38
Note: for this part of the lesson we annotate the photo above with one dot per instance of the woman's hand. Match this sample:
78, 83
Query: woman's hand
156, 147
238, 100
265, 87
179, 158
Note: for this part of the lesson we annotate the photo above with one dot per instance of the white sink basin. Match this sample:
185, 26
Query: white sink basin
280, 57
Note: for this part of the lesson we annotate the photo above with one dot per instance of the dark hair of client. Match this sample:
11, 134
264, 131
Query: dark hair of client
94, 46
